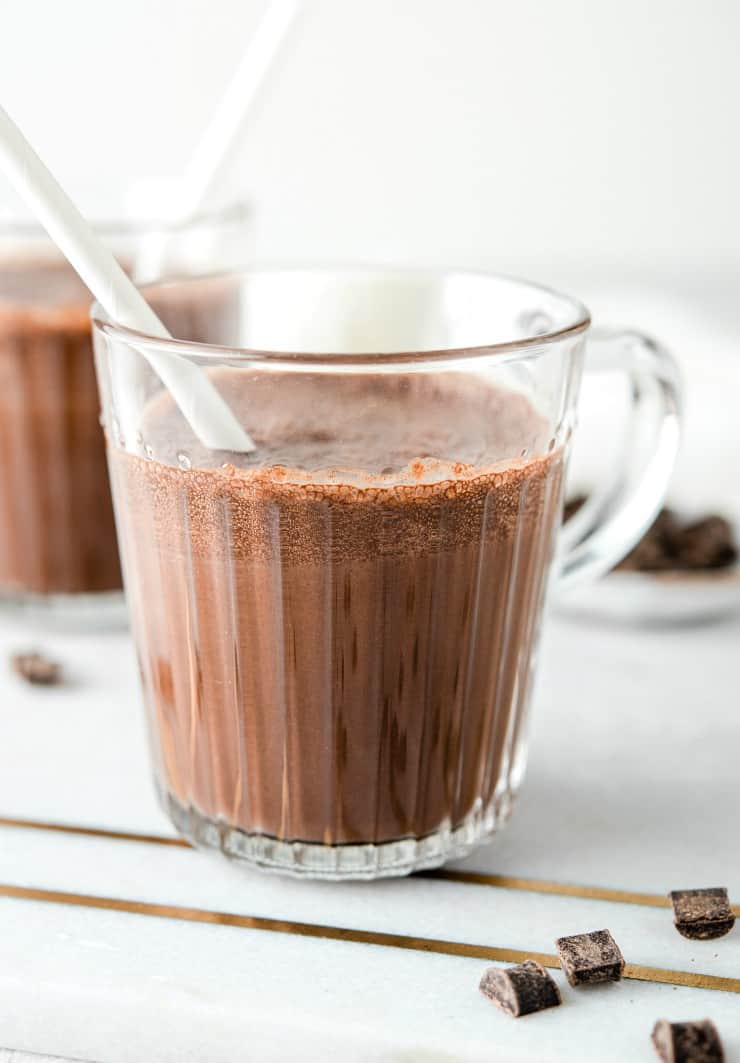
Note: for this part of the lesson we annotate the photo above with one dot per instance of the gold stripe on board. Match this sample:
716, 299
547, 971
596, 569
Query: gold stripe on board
357, 937
94, 832
560, 889
474, 878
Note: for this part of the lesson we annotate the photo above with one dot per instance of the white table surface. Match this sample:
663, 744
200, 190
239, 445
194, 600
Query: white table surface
633, 785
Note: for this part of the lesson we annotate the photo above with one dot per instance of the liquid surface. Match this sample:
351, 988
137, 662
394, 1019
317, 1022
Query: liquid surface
364, 429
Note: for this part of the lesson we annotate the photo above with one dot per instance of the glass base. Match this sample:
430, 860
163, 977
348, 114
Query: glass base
95, 611
339, 862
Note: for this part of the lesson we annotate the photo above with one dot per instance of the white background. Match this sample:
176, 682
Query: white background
590, 144
473, 131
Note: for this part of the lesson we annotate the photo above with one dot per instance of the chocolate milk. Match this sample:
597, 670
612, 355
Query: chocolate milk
335, 633
57, 533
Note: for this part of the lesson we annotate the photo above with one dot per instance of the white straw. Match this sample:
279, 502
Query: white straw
210, 156
201, 404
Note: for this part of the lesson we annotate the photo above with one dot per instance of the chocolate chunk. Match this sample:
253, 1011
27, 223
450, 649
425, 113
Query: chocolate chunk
687, 1042
590, 958
520, 990
707, 543
672, 546
655, 552
702, 914
35, 668
572, 505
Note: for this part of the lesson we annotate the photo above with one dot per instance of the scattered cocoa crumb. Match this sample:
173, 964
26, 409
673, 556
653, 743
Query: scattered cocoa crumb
35, 668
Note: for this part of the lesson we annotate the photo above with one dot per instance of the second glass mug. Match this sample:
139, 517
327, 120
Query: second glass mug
58, 552
337, 632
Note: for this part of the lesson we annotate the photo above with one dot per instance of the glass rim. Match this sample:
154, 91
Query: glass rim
207, 352
131, 227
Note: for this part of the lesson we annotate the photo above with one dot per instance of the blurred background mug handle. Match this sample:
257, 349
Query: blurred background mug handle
619, 512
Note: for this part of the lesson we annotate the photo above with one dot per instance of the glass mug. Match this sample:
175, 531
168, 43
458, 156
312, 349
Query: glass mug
58, 551
337, 631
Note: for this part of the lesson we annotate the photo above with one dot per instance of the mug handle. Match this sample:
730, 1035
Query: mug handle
616, 515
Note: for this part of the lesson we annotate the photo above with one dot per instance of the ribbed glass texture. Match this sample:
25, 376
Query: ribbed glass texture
338, 670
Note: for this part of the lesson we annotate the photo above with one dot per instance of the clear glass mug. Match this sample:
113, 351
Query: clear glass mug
58, 551
337, 631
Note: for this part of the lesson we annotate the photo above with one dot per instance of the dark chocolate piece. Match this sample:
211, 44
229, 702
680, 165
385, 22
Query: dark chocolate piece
702, 914
520, 990
655, 552
590, 958
707, 543
687, 1042
670, 545
572, 505
35, 668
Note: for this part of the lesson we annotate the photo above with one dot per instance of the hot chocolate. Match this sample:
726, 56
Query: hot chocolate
336, 632
57, 533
